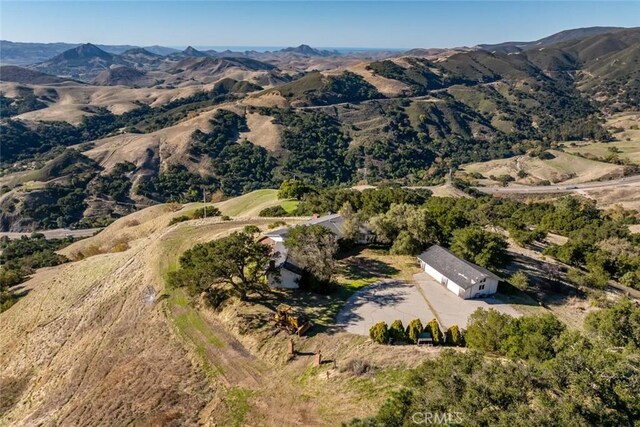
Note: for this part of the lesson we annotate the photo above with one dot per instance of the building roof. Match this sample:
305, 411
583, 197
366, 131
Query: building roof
280, 232
333, 222
464, 273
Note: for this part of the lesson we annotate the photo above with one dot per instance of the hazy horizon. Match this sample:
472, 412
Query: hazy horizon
341, 25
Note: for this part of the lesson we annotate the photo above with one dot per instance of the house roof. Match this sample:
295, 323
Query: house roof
333, 222
280, 232
464, 273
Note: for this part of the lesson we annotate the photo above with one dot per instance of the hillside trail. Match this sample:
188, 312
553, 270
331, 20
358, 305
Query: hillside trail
94, 344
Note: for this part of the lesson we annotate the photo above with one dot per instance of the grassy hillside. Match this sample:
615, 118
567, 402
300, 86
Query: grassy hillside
334, 127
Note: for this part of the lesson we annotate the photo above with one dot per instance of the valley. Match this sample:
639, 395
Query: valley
304, 236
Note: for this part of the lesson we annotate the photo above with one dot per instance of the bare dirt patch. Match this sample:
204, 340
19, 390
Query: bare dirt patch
263, 131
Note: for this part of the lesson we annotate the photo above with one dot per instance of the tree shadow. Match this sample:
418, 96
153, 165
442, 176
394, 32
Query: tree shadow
378, 295
547, 281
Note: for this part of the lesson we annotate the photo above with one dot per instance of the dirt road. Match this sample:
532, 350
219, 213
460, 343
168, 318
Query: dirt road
626, 182
58, 233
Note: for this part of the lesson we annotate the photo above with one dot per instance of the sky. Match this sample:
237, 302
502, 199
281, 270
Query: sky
371, 24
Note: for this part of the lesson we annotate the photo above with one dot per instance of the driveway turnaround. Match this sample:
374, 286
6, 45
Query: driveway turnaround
450, 309
384, 301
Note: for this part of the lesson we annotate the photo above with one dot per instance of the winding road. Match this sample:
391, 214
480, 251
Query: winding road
629, 181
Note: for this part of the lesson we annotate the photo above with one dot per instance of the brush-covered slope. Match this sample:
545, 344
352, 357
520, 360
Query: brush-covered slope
406, 120
12, 73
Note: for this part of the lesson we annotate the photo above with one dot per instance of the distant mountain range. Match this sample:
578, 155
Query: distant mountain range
19, 53
305, 112
562, 36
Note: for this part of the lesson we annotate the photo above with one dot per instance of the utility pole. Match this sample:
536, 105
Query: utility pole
204, 200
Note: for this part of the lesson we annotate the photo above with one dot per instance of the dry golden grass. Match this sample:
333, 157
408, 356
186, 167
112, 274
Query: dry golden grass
564, 168
262, 131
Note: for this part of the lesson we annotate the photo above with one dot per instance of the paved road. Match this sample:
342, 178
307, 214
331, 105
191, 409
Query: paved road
59, 233
384, 301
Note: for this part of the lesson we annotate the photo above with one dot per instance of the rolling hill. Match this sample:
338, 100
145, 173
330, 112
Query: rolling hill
561, 37
406, 119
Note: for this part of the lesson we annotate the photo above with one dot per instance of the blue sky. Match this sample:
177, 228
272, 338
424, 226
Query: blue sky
381, 24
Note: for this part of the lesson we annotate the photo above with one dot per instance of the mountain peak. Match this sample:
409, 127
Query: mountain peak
190, 51
84, 51
303, 49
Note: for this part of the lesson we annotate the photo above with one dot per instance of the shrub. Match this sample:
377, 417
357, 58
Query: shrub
177, 219
532, 337
414, 329
405, 244
396, 332
357, 367
276, 224
594, 279
487, 329
174, 206
619, 325
273, 211
131, 223
379, 333
225, 218
434, 329
120, 245
505, 179
453, 336
208, 210
519, 280
251, 229
216, 296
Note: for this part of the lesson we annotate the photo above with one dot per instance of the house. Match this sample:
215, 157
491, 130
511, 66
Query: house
289, 274
336, 224
461, 277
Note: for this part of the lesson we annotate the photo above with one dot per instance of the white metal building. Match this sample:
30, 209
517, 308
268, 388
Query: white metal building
461, 277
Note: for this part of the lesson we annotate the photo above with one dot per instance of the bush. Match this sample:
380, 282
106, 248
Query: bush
225, 218
120, 245
593, 279
414, 329
292, 189
532, 337
453, 336
405, 244
276, 224
486, 329
619, 325
273, 211
379, 333
545, 155
519, 280
357, 367
180, 218
396, 332
433, 328
208, 211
